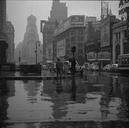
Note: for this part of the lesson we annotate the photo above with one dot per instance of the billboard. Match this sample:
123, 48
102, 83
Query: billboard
77, 20
104, 56
91, 56
61, 48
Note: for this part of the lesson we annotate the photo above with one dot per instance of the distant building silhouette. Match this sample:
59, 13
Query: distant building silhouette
58, 14
31, 37
59, 11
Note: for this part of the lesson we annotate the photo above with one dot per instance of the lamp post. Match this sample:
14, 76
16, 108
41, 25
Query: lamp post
42, 24
19, 57
36, 51
73, 61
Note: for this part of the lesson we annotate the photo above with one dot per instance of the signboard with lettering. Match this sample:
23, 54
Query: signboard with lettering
91, 56
104, 56
77, 20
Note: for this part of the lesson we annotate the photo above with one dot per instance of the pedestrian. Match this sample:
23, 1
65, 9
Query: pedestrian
81, 71
73, 65
59, 68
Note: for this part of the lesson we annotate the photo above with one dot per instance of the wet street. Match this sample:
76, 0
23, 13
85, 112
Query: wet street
98, 100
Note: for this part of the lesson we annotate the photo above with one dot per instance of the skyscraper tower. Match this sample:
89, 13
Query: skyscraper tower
29, 45
59, 11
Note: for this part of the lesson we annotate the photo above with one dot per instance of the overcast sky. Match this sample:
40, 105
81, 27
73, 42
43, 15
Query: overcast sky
19, 10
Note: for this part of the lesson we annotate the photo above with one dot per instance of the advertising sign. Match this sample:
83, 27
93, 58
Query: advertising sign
61, 48
77, 20
91, 56
104, 56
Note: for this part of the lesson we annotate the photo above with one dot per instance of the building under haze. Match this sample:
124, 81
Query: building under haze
9, 29
31, 44
58, 11
57, 15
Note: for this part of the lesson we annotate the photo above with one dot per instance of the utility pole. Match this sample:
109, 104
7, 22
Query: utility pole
36, 52
19, 57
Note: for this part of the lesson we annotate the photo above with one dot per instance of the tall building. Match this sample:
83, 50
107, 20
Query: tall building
121, 32
92, 39
9, 29
57, 15
3, 37
105, 54
68, 34
31, 45
48, 31
58, 12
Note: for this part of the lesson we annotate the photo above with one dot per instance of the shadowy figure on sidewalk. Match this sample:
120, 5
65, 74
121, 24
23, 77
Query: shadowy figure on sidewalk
59, 68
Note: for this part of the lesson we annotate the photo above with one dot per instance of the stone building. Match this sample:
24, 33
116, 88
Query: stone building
9, 29
31, 43
58, 11
105, 54
120, 43
92, 40
68, 34
3, 37
48, 31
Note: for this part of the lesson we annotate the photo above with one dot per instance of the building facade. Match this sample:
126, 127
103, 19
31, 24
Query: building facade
120, 44
70, 33
9, 28
92, 40
48, 31
105, 54
31, 46
3, 37
121, 32
58, 14
58, 11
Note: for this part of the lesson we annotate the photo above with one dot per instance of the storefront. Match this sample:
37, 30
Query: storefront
104, 58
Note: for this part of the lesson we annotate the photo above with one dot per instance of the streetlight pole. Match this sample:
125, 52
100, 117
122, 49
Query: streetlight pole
36, 52
19, 57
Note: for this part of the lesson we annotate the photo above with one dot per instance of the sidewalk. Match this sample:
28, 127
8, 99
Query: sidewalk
45, 75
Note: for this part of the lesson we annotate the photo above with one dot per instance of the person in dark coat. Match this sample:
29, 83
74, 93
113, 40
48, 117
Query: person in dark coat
59, 68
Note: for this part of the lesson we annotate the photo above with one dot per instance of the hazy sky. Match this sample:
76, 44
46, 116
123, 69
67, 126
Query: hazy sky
19, 10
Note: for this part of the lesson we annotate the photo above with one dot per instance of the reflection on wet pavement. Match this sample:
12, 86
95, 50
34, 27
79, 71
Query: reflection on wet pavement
97, 100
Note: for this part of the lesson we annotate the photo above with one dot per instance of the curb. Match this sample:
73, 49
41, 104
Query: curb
31, 78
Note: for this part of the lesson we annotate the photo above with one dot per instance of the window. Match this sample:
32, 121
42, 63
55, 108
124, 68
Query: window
73, 32
80, 52
80, 38
80, 32
73, 38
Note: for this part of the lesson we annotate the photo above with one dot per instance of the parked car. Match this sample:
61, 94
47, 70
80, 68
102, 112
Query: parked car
95, 67
44, 67
107, 67
114, 67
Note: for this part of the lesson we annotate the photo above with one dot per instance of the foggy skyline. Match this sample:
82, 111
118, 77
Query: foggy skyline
18, 11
